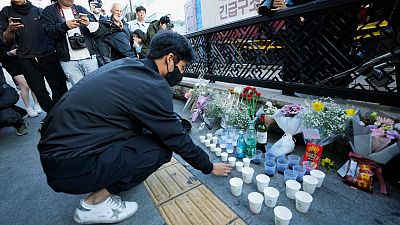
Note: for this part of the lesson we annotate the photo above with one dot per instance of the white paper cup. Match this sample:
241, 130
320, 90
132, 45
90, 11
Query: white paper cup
262, 182
236, 186
224, 156
283, 215
303, 201
209, 136
214, 140
271, 196
319, 175
239, 166
207, 143
229, 151
218, 151
255, 201
232, 161
309, 184
202, 138
247, 174
212, 147
292, 187
246, 162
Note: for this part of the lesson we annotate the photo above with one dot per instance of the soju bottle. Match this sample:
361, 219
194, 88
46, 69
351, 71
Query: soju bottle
240, 146
251, 141
261, 134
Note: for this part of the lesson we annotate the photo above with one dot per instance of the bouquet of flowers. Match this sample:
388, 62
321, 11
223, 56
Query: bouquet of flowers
250, 97
376, 137
328, 118
288, 119
214, 107
200, 89
235, 114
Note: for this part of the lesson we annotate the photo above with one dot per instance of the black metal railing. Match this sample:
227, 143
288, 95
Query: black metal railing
348, 49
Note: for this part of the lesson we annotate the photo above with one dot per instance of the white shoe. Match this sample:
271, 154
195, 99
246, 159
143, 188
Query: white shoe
31, 112
112, 210
37, 108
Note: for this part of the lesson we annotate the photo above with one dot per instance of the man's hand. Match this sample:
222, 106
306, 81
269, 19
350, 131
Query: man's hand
221, 169
278, 5
84, 20
12, 27
72, 24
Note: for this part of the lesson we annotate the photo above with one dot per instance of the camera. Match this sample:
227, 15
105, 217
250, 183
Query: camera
77, 41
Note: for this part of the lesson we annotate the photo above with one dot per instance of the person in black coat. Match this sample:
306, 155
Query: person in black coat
114, 143
10, 114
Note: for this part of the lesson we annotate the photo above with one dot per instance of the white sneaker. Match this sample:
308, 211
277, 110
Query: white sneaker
31, 112
112, 210
37, 109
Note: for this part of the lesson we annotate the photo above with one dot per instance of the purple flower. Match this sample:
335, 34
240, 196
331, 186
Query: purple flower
372, 127
392, 134
397, 126
377, 132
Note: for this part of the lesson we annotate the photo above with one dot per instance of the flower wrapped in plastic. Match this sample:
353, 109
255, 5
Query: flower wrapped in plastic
289, 120
328, 118
376, 137
200, 88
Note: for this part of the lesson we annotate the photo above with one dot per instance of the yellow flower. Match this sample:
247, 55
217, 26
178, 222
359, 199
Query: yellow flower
350, 112
327, 162
318, 106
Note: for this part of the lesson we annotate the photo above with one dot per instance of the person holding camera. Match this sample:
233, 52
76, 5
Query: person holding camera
97, 10
163, 24
37, 59
73, 30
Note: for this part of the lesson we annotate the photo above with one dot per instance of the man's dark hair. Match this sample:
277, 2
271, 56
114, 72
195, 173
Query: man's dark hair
140, 8
165, 42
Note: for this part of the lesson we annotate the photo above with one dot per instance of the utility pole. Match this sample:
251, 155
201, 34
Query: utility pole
130, 14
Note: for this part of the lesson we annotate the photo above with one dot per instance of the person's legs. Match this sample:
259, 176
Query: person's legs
72, 70
54, 74
14, 117
89, 65
35, 79
20, 80
118, 168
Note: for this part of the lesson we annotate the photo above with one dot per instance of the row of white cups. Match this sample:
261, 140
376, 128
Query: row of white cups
283, 215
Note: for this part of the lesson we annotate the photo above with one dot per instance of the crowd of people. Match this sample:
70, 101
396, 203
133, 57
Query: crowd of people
63, 43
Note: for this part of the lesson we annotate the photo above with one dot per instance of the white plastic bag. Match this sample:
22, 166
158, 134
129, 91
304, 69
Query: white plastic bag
291, 126
285, 145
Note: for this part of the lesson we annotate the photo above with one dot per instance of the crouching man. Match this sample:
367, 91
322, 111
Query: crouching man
100, 147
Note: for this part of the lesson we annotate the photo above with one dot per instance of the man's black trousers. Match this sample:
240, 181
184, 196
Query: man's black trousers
119, 168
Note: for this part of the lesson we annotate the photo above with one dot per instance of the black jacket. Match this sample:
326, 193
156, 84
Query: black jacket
130, 96
115, 43
31, 40
56, 28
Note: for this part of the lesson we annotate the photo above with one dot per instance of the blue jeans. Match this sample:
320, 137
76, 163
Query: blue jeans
76, 69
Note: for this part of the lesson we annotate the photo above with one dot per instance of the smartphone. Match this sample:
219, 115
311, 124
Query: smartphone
82, 15
16, 20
